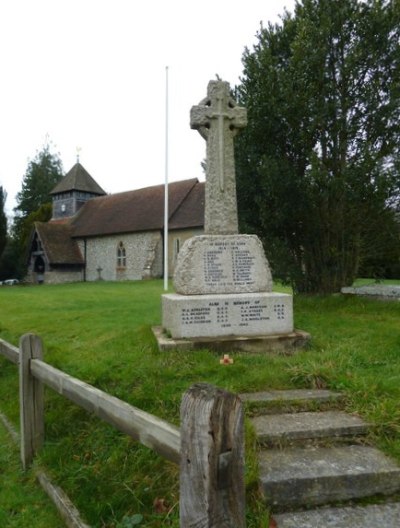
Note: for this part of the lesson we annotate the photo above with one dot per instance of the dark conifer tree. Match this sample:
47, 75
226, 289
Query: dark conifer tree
316, 164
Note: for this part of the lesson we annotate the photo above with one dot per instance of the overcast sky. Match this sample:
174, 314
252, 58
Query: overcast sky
91, 74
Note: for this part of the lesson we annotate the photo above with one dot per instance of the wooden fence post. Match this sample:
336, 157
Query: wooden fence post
212, 490
31, 400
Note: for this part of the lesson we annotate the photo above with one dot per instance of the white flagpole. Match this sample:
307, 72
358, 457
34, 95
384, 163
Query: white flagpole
166, 186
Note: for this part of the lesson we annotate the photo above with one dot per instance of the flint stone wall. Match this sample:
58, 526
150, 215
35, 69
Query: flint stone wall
143, 256
53, 276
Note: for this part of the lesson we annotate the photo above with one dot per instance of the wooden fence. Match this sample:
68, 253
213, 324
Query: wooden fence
209, 445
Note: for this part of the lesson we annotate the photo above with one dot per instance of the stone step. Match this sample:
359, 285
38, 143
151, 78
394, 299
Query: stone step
372, 516
289, 428
292, 399
298, 477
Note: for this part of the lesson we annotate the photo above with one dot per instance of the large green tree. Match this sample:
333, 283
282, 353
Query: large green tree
316, 164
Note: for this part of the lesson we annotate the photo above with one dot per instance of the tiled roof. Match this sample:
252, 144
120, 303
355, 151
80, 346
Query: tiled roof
78, 179
191, 211
57, 243
139, 210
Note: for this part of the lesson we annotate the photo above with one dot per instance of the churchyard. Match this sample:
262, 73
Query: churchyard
101, 333
104, 350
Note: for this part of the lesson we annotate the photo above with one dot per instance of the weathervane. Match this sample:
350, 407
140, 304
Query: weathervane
78, 149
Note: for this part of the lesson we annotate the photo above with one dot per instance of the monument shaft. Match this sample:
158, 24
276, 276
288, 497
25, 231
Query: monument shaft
218, 119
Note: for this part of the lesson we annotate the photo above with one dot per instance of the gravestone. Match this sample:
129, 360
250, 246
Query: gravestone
222, 279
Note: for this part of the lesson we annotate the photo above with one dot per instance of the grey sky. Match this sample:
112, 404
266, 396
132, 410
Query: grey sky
91, 74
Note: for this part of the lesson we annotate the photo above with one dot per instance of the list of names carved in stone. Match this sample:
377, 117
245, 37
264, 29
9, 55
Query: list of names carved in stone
225, 314
213, 267
228, 264
196, 315
242, 266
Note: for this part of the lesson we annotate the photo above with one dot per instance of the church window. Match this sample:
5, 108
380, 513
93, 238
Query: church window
177, 244
121, 255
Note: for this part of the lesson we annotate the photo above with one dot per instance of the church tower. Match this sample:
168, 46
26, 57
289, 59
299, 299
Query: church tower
73, 191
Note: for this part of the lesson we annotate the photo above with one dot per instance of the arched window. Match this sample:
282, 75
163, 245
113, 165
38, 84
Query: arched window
121, 256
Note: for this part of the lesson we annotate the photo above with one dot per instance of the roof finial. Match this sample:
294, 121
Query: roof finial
78, 149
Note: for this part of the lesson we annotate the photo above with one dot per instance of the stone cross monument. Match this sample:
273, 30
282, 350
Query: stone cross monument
218, 120
223, 285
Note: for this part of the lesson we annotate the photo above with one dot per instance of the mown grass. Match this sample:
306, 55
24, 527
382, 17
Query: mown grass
101, 333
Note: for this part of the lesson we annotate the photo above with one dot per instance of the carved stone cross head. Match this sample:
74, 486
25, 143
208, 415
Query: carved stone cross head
218, 108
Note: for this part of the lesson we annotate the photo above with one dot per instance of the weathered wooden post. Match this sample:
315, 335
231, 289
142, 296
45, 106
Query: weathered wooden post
212, 490
31, 400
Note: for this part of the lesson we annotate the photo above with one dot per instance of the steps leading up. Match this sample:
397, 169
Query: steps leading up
288, 428
372, 516
320, 458
294, 395
306, 477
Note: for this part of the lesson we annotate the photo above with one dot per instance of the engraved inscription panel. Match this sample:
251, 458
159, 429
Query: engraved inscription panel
228, 263
222, 264
244, 314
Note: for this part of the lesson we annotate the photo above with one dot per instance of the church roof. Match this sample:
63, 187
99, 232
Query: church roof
141, 210
57, 243
191, 211
78, 179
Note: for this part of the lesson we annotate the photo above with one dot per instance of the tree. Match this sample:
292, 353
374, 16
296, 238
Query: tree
41, 176
25, 225
316, 164
33, 202
10, 261
3, 220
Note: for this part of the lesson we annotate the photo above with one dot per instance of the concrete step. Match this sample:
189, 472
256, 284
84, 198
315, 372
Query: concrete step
295, 399
298, 477
372, 516
289, 428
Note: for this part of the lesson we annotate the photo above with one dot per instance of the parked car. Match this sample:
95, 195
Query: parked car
10, 282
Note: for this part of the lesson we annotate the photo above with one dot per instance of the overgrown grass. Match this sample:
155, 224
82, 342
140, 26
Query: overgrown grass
22, 503
101, 333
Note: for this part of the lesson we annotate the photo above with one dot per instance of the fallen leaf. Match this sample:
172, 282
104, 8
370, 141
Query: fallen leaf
160, 506
272, 523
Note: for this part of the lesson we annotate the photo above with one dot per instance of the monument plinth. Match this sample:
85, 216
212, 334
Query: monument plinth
223, 283
245, 314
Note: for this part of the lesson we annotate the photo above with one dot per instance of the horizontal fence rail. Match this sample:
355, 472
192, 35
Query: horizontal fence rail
149, 430
209, 446
10, 352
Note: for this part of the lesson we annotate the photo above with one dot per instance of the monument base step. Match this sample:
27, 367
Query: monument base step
285, 344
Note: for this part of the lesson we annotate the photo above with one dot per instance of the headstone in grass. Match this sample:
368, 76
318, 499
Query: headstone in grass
382, 292
223, 285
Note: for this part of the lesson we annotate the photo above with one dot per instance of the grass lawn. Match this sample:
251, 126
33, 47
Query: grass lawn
22, 502
101, 333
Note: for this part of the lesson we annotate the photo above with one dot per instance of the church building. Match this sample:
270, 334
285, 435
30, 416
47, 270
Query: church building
96, 236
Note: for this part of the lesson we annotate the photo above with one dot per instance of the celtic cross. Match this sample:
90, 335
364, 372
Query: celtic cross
218, 119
